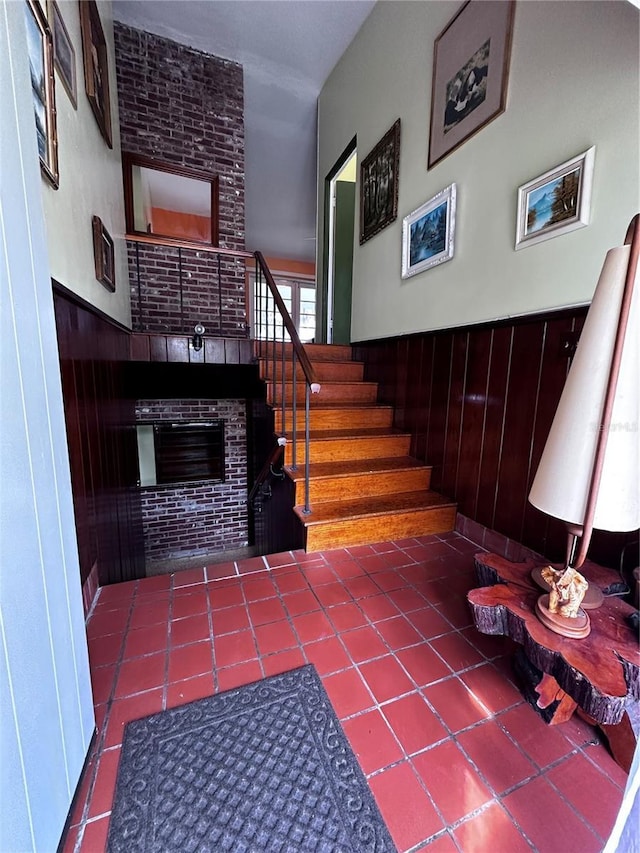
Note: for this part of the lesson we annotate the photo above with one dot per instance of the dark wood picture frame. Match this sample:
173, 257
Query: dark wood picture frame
130, 160
96, 67
63, 53
40, 51
103, 254
379, 185
471, 59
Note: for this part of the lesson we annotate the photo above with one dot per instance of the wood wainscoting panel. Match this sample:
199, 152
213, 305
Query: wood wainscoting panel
478, 403
94, 353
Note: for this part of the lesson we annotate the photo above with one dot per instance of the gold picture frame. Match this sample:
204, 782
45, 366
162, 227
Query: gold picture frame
103, 254
96, 67
379, 184
64, 54
40, 51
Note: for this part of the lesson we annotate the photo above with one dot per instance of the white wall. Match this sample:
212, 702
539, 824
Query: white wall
573, 84
46, 709
90, 183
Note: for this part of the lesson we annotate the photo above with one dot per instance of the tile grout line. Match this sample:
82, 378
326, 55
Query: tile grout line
369, 570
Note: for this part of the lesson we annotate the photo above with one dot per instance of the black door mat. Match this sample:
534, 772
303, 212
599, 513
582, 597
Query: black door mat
263, 768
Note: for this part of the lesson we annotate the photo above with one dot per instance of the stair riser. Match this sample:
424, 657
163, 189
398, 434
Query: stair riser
364, 485
326, 371
320, 419
321, 352
347, 392
341, 449
360, 531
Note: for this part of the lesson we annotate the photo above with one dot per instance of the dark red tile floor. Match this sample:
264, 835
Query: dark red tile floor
455, 758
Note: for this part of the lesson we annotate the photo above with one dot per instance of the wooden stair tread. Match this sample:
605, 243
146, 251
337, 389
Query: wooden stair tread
330, 383
316, 352
374, 506
363, 484
331, 470
339, 405
268, 361
373, 432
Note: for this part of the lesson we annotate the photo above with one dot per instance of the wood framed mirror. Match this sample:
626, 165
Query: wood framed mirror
170, 202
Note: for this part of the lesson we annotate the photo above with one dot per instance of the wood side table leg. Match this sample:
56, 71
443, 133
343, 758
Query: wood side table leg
549, 691
621, 738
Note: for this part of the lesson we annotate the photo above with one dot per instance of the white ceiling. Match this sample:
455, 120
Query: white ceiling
288, 49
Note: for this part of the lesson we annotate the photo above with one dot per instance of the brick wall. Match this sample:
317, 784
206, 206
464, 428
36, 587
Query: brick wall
198, 518
185, 108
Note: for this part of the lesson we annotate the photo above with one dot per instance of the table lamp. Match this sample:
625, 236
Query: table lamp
589, 472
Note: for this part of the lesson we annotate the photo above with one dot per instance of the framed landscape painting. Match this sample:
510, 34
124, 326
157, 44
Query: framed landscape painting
40, 50
470, 73
64, 54
103, 254
428, 233
379, 185
557, 202
96, 67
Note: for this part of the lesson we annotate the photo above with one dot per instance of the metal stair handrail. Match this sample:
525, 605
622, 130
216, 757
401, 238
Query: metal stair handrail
298, 355
277, 452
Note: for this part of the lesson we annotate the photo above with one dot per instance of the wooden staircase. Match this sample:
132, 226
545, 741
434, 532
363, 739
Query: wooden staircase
363, 485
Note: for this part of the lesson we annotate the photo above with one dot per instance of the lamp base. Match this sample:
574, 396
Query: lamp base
577, 627
593, 598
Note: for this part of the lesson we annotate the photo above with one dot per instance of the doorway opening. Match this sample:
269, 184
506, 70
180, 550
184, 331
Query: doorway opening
340, 206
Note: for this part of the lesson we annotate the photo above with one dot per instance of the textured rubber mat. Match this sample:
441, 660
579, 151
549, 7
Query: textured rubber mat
258, 769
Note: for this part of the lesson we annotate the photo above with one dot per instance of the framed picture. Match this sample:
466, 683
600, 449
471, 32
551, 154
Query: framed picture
379, 185
557, 202
470, 73
63, 53
40, 49
103, 254
96, 67
428, 233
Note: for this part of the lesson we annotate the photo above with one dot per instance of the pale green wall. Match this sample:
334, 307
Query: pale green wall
573, 84
90, 183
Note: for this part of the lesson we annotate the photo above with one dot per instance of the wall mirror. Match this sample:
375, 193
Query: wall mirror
170, 202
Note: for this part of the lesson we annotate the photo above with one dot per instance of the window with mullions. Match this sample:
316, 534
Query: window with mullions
299, 297
171, 453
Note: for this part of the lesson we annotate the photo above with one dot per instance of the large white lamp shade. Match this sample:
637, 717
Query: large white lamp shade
562, 481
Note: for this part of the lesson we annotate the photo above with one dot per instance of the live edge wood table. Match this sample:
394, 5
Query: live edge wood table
599, 674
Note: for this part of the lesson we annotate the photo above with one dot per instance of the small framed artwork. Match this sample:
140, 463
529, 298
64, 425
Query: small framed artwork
103, 254
40, 49
96, 67
557, 202
470, 73
63, 53
379, 185
428, 233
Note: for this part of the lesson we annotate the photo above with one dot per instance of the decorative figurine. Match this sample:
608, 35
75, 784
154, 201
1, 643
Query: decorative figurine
568, 588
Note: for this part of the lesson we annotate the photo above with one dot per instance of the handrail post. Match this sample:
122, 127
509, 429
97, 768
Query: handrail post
254, 308
294, 412
181, 290
273, 355
219, 297
282, 388
140, 327
299, 354
307, 507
